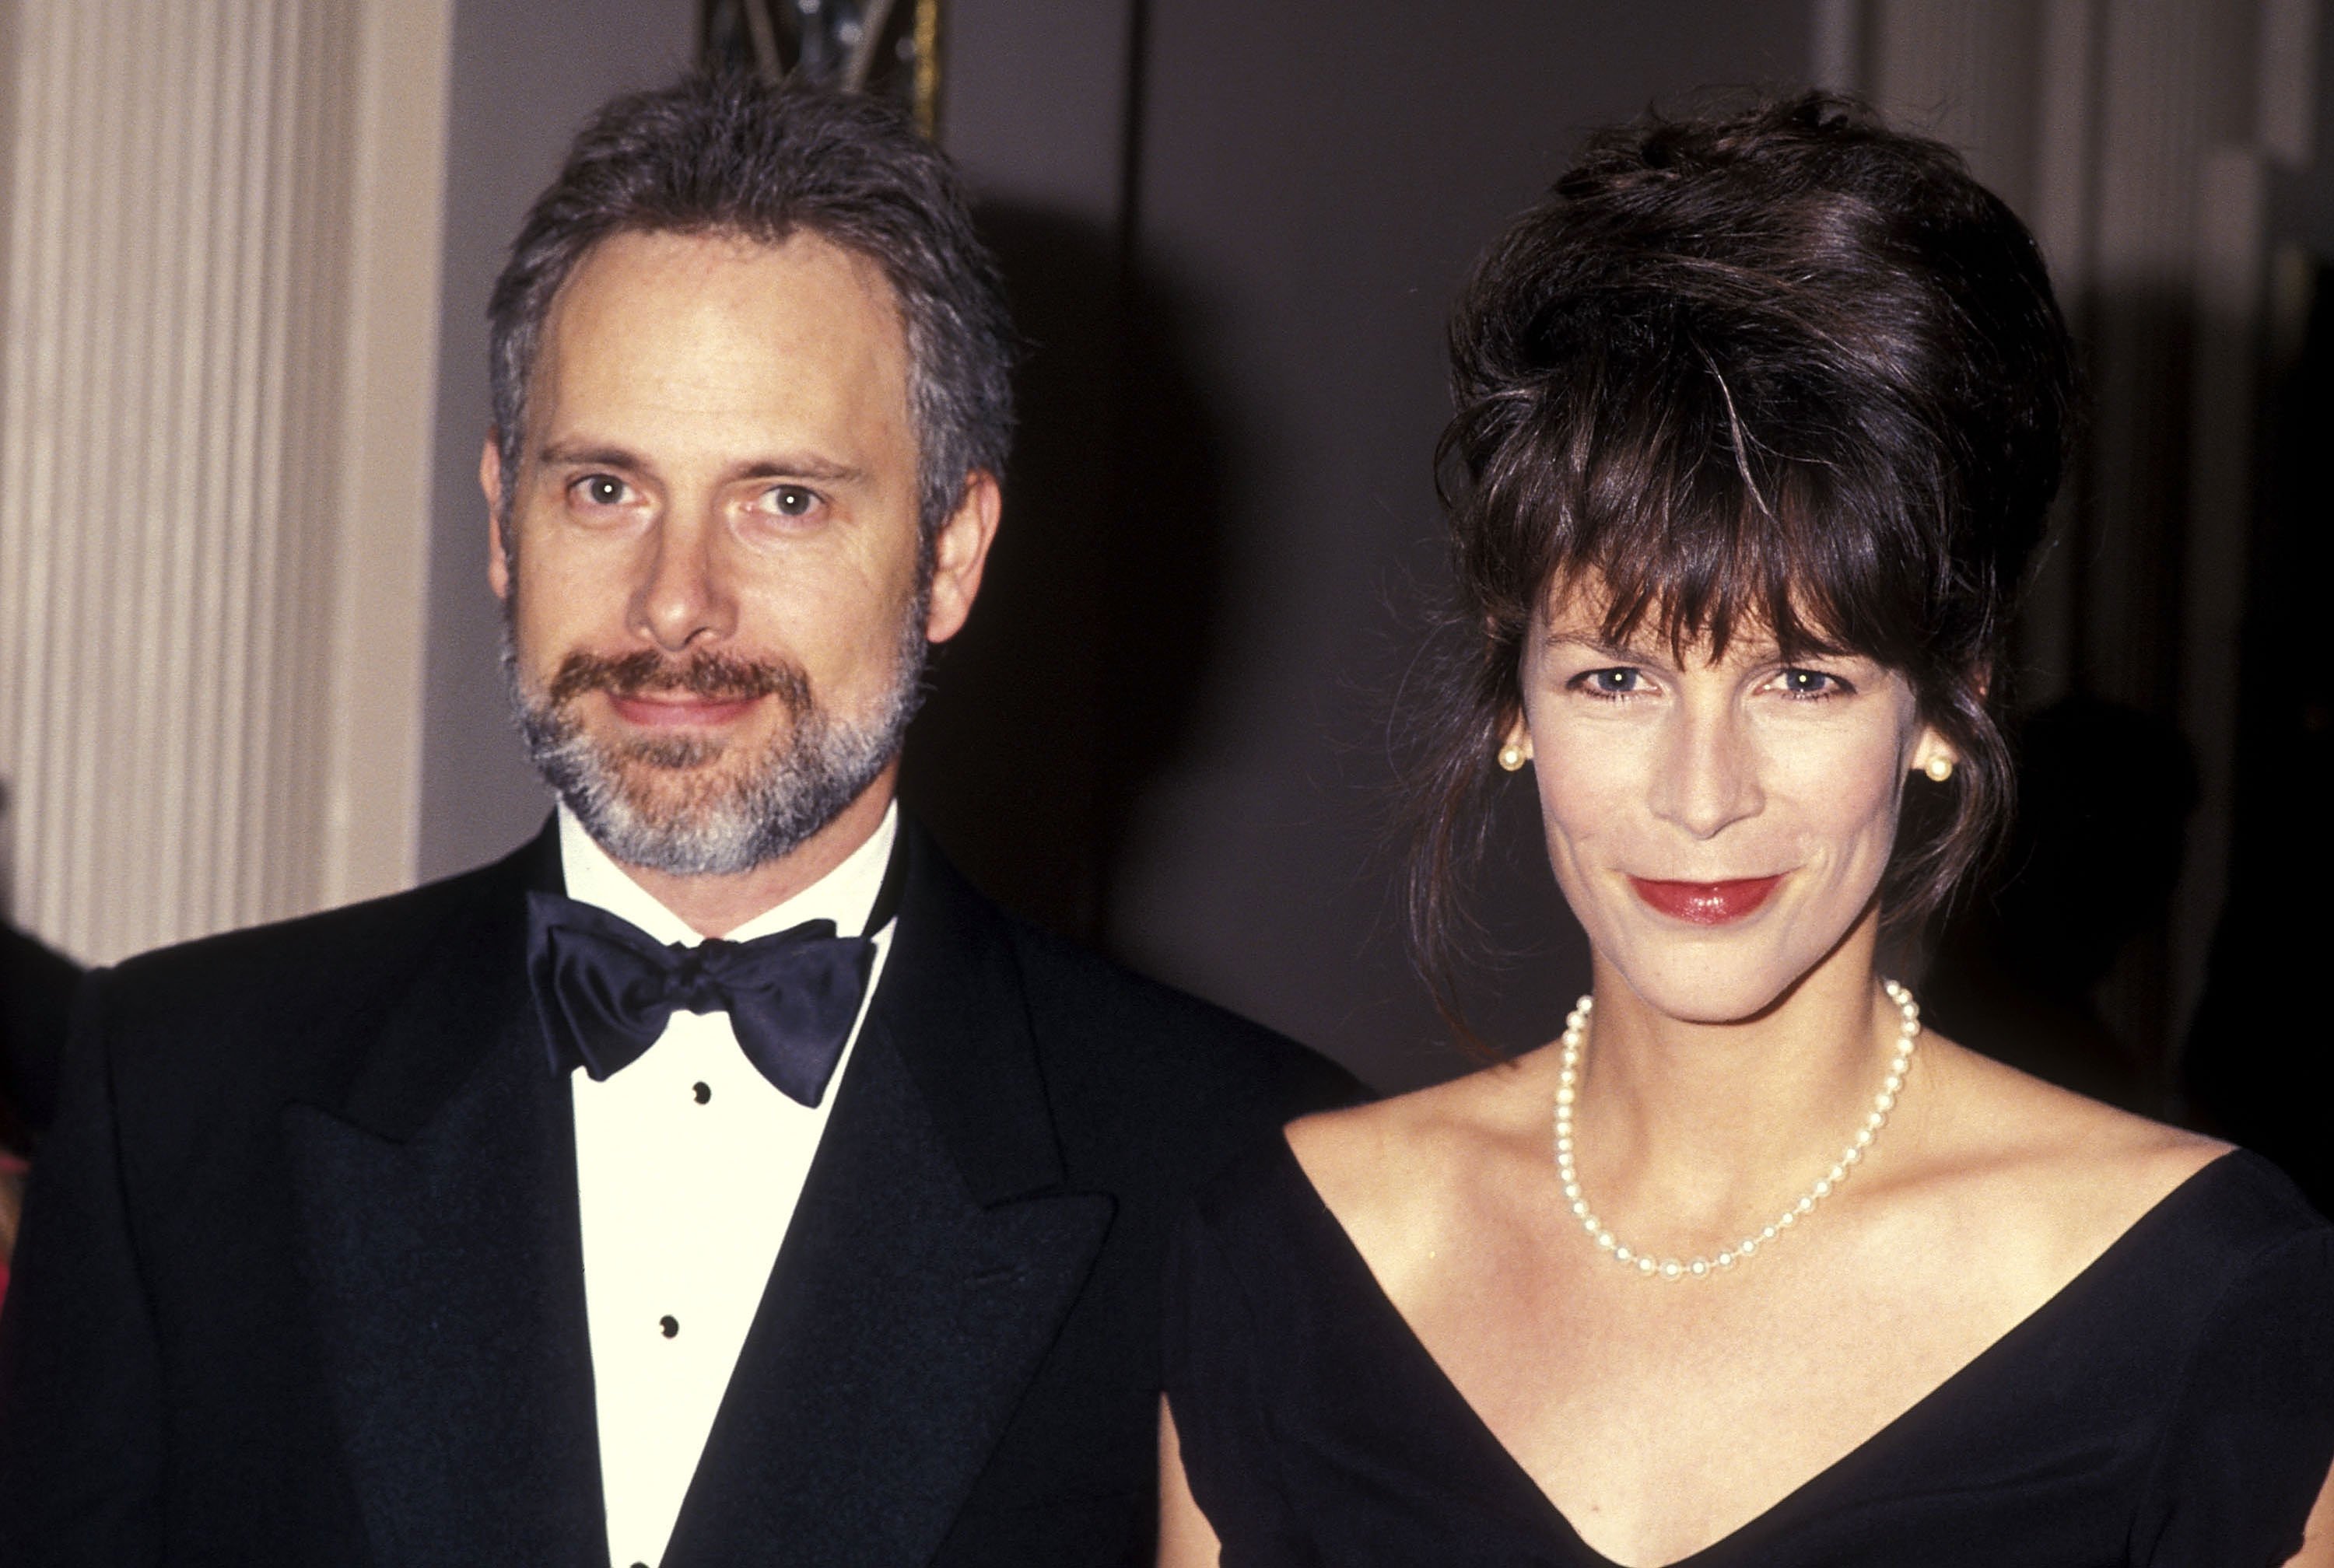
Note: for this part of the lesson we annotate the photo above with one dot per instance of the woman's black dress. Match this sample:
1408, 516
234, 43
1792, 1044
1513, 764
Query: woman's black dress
2173, 1405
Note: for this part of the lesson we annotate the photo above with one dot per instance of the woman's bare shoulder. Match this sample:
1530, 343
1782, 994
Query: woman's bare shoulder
2022, 1117
2068, 1170
1397, 1166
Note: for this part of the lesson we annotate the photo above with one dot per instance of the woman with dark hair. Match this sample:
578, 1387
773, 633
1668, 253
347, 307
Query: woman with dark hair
1758, 418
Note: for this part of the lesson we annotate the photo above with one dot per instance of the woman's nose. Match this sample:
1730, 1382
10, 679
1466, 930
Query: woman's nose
1707, 776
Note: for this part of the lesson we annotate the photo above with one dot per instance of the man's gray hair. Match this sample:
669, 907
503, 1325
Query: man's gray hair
730, 155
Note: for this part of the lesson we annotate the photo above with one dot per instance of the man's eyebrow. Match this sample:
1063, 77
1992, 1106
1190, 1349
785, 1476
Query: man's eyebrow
585, 453
784, 466
801, 468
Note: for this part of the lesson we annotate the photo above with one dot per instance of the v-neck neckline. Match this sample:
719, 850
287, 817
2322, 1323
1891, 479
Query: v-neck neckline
1759, 1529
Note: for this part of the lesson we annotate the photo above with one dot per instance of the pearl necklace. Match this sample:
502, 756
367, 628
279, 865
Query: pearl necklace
1576, 1035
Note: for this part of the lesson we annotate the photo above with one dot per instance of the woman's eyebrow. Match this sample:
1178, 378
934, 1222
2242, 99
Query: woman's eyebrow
1599, 646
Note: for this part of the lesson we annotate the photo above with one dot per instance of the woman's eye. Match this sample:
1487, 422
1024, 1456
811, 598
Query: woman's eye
1623, 681
1812, 683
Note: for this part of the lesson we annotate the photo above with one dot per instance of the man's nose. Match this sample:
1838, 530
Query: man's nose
1707, 776
686, 597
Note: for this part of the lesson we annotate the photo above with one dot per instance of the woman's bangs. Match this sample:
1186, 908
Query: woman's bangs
1682, 539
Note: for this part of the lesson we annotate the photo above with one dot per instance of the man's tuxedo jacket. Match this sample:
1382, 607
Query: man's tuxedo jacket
302, 1282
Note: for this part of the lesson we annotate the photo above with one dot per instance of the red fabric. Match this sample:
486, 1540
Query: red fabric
10, 1166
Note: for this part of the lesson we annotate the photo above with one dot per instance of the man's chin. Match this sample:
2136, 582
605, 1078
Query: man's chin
682, 832
680, 798
650, 762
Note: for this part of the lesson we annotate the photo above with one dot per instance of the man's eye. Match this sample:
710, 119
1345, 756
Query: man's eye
792, 501
602, 490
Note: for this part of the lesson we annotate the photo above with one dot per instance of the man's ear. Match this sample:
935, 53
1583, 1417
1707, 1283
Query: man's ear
960, 553
490, 480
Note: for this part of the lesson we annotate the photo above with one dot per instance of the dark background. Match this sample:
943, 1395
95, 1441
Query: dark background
1232, 231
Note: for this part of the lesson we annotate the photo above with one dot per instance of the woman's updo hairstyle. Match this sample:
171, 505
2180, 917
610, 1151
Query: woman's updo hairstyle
1778, 370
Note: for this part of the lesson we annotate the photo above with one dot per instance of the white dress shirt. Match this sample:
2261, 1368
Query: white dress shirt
688, 1165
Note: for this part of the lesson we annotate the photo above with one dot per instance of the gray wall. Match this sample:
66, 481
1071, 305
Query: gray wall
525, 73
2302, 201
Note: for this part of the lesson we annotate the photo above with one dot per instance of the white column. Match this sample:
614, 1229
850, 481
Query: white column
219, 251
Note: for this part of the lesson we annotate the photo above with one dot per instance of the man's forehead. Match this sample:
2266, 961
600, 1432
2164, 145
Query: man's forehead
708, 249
724, 322
803, 287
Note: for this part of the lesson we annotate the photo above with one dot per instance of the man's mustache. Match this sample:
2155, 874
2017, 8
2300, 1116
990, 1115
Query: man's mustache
715, 677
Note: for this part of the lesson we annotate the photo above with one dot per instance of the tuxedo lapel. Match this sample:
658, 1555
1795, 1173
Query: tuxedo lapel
930, 1265
436, 1204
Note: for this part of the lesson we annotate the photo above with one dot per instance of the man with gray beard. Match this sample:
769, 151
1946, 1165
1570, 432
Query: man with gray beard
718, 1179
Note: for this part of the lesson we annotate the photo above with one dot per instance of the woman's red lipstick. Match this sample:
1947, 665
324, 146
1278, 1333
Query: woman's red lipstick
1706, 903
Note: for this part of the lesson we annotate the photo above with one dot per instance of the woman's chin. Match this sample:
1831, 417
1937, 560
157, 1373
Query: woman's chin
1707, 987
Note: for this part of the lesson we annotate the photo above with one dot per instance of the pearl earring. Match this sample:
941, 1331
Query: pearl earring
1939, 768
1511, 756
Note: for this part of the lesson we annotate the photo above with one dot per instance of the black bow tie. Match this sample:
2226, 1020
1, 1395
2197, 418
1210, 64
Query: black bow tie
605, 989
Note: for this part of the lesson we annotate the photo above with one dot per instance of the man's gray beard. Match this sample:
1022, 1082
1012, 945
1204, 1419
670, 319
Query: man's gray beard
722, 825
